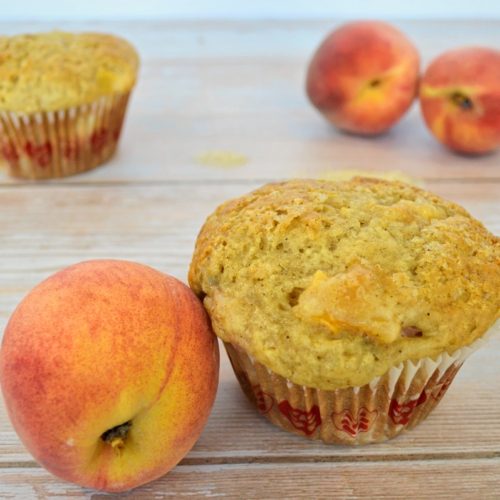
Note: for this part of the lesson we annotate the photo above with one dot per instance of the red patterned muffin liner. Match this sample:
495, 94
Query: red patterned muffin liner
375, 412
59, 143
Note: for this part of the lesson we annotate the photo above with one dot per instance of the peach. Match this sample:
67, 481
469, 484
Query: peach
109, 370
364, 77
460, 99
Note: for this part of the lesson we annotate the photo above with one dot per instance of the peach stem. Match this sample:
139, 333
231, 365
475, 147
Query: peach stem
117, 435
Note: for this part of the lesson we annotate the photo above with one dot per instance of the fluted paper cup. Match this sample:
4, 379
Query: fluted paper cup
375, 412
60, 143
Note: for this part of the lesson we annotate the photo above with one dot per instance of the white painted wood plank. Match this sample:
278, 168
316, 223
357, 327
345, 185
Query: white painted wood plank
467, 479
239, 87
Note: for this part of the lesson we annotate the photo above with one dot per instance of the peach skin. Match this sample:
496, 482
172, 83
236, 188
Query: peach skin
364, 77
460, 99
109, 370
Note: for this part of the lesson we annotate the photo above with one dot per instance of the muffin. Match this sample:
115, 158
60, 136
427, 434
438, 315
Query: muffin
63, 98
346, 308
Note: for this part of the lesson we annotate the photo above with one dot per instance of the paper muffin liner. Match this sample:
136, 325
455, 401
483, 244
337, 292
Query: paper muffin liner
375, 412
59, 143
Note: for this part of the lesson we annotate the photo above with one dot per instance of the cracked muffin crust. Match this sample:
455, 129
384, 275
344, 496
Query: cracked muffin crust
58, 70
330, 284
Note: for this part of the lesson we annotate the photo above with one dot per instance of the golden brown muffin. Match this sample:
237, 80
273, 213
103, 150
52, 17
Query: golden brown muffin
63, 99
58, 70
331, 284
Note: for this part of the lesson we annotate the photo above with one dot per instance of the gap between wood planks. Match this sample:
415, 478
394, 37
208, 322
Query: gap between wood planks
294, 459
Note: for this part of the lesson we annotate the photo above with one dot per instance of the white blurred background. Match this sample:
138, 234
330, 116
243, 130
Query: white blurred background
54, 10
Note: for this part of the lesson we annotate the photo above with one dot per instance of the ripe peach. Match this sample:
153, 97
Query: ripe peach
364, 77
109, 370
460, 99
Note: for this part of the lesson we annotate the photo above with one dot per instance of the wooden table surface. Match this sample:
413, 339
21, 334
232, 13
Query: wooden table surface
238, 87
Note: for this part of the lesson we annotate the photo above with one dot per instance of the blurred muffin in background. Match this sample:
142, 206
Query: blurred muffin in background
63, 98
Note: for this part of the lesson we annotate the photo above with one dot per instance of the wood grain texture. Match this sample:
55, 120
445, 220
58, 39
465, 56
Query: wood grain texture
473, 479
238, 87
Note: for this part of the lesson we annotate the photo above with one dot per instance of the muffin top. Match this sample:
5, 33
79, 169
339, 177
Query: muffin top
57, 70
330, 284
